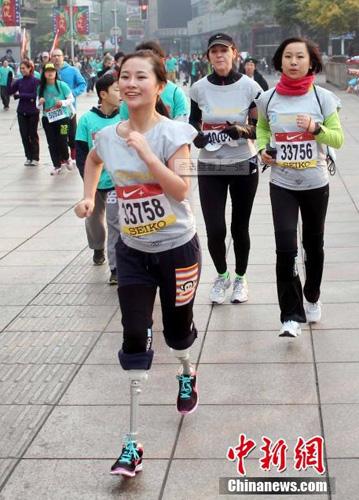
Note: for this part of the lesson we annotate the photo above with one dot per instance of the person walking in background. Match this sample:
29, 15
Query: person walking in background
195, 69
224, 113
86, 71
118, 58
106, 202
77, 84
55, 99
171, 68
297, 122
107, 65
250, 69
25, 90
10, 59
6, 75
45, 58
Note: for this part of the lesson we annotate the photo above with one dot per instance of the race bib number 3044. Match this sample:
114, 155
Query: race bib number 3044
144, 209
296, 150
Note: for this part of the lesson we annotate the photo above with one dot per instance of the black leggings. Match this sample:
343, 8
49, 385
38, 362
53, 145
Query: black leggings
176, 273
286, 204
213, 195
56, 135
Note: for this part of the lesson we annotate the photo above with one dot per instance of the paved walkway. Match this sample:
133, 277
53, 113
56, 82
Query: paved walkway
64, 398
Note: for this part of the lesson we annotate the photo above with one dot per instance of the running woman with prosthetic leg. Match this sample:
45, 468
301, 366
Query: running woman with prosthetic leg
158, 247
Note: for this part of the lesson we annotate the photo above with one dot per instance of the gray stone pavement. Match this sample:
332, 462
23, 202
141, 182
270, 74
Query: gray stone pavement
64, 398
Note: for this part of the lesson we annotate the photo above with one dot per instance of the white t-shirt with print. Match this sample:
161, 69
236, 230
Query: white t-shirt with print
222, 103
150, 220
281, 114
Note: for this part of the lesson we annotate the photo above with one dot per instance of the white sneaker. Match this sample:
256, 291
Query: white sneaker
290, 329
34, 163
27, 163
56, 171
313, 311
218, 292
70, 165
240, 290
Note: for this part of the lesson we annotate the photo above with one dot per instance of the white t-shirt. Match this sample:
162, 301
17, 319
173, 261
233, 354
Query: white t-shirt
295, 148
150, 220
222, 103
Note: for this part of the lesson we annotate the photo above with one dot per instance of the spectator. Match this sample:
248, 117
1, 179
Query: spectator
250, 69
6, 74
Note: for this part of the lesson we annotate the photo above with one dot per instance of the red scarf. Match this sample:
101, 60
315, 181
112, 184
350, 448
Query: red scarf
289, 86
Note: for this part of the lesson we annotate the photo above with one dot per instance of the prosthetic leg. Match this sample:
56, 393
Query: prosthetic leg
137, 366
137, 377
184, 359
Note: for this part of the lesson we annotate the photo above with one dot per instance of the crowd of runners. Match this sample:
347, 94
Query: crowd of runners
133, 150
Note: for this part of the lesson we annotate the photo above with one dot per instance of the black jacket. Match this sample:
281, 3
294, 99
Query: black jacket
258, 77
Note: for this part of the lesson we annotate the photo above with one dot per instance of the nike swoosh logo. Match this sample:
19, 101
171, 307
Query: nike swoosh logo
291, 137
130, 193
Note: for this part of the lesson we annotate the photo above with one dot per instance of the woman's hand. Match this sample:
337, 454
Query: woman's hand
306, 122
266, 158
84, 208
58, 104
41, 101
139, 143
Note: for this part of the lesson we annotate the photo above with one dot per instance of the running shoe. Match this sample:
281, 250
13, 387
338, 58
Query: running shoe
313, 311
130, 460
290, 329
240, 290
67, 164
113, 277
98, 257
34, 163
218, 292
27, 162
56, 171
187, 400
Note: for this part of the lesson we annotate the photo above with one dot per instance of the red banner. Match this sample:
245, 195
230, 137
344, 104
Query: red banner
61, 20
9, 13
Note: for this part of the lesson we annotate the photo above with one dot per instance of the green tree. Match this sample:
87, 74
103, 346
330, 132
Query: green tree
333, 16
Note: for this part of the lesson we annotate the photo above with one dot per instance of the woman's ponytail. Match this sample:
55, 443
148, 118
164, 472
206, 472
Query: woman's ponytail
161, 108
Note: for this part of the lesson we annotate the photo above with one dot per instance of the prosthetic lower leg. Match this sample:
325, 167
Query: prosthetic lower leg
137, 377
184, 359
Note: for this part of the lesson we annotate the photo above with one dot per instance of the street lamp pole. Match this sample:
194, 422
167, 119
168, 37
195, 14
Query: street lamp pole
72, 30
115, 19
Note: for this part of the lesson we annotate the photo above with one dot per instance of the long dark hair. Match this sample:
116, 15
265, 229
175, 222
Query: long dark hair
158, 69
43, 83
